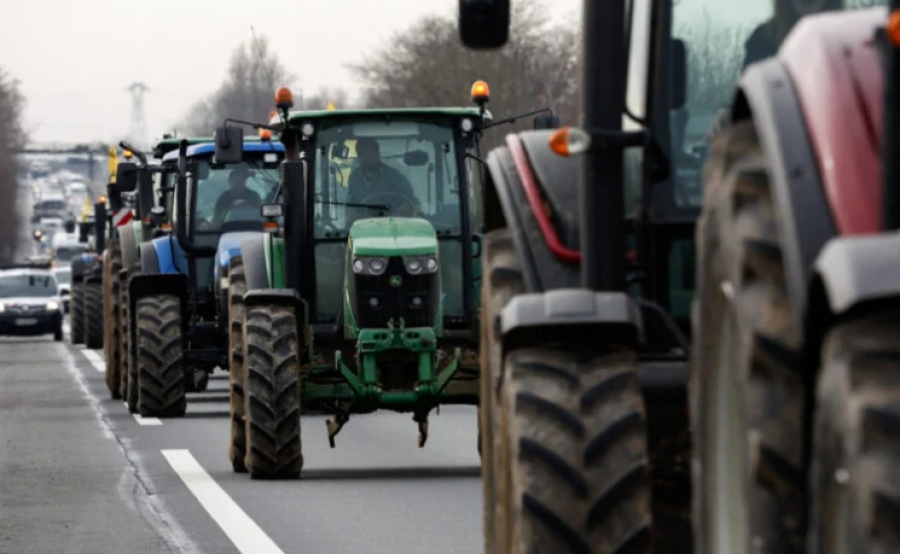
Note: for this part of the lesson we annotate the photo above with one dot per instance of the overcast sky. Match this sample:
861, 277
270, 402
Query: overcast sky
75, 58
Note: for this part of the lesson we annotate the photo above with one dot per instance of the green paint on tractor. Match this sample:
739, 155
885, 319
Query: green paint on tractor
392, 237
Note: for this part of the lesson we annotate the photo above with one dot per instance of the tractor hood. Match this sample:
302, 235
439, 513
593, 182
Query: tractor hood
393, 236
230, 246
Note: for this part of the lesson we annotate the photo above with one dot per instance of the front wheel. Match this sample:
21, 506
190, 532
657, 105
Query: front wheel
76, 313
855, 480
272, 389
160, 343
93, 315
237, 287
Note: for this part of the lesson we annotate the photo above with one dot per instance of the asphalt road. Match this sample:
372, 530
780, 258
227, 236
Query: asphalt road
78, 473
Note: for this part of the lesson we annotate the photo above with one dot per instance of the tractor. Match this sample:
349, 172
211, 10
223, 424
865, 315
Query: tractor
785, 457
85, 322
177, 322
366, 297
137, 199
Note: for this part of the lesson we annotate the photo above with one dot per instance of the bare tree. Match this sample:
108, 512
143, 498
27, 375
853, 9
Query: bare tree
247, 92
11, 139
426, 65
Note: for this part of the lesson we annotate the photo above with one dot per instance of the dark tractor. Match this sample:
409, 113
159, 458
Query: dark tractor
786, 457
137, 199
85, 321
177, 328
367, 297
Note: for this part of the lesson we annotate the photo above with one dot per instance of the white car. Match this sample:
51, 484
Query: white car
64, 278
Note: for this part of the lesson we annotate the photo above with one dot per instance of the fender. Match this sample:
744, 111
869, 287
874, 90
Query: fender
169, 254
519, 174
129, 242
282, 297
229, 246
149, 260
766, 93
143, 286
256, 257
856, 270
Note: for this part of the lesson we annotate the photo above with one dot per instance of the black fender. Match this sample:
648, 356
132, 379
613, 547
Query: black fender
852, 271
77, 269
129, 246
283, 297
767, 95
253, 254
149, 259
527, 162
144, 285
571, 316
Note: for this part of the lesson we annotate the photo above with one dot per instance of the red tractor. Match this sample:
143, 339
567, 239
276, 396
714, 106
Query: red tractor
795, 369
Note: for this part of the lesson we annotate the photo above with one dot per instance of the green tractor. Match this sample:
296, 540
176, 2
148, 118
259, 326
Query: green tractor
366, 298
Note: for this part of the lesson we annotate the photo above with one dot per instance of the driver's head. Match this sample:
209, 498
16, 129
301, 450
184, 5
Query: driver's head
237, 179
368, 153
788, 12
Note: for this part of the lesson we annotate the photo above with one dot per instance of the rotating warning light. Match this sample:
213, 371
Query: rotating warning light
480, 92
284, 98
265, 134
893, 28
128, 154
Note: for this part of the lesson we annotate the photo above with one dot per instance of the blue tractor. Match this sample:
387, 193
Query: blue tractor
178, 308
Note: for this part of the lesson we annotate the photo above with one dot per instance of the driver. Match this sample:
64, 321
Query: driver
373, 177
237, 194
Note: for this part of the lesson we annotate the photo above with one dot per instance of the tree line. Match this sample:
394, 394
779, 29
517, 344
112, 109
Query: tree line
12, 139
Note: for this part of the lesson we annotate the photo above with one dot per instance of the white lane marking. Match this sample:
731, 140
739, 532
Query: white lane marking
246, 535
147, 420
95, 360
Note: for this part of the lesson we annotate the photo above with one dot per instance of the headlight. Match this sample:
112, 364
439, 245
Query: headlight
2, 308
370, 266
467, 125
52, 306
421, 264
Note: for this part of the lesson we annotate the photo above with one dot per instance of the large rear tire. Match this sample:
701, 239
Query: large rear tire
237, 287
747, 388
130, 382
160, 357
76, 313
112, 342
855, 485
93, 315
272, 408
503, 281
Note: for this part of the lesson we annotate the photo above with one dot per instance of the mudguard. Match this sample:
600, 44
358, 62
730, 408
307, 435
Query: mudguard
577, 316
256, 265
146, 285
767, 94
169, 254
526, 174
857, 270
149, 260
77, 268
229, 246
129, 242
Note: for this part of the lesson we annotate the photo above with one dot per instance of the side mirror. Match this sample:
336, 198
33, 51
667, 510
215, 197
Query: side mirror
415, 158
69, 225
126, 176
679, 74
484, 24
545, 121
229, 145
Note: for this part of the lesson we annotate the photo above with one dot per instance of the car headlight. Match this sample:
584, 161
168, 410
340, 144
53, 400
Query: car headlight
52, 306
421, 264
370, 265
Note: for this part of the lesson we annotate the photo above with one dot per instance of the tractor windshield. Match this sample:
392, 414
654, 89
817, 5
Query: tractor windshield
228, 197
722, 37
401, 167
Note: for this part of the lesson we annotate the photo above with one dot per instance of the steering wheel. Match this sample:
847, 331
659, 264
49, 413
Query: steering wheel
406, 207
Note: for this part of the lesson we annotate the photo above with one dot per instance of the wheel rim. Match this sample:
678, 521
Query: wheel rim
726, 459
837, 514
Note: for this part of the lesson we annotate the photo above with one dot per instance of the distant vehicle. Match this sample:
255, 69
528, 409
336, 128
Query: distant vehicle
64, 251
49, 205
30, 303
76, 188
64, 278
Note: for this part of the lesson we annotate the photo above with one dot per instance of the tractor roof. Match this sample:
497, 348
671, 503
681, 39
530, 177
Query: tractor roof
165, 146
208, 147
298, 117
